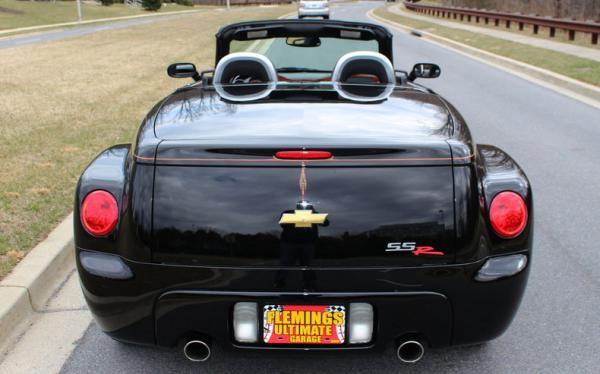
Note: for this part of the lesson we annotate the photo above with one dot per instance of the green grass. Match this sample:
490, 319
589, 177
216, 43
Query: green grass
16, 13
63, 102
578, 68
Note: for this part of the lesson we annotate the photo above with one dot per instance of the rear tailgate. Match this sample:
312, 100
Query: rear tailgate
386, 206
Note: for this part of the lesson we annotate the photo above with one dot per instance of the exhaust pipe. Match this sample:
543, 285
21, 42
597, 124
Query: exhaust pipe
196, 350
410, 351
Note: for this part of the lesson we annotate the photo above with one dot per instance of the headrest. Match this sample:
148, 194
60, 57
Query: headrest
244, 76
363, 76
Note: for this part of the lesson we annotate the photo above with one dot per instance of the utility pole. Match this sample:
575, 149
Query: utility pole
228, 5
79, 10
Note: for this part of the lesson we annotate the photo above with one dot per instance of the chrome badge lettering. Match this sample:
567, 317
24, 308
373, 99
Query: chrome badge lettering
401, 247
413, 248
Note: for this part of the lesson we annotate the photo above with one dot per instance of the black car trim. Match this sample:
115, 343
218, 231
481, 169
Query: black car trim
300, 294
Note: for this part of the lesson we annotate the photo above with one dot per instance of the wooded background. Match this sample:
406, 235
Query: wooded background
578, 9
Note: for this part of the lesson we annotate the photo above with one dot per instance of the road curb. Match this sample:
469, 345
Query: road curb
14, 308
31, 283
564, 85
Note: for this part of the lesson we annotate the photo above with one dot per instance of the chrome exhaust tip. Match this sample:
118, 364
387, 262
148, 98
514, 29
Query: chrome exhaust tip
410, 351
196, 350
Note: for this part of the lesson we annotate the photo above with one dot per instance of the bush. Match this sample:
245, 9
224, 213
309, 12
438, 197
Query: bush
151, 4
185, 2
107, 2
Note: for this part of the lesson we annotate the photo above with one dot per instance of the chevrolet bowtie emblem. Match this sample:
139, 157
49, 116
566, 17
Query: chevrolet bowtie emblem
303, 218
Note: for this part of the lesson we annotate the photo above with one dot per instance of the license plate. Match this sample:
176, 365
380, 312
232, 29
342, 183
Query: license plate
304, 324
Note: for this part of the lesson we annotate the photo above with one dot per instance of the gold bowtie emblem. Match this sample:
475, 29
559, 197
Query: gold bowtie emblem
303, 218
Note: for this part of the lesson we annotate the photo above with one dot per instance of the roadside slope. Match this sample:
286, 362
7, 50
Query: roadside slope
582, 69
524, 37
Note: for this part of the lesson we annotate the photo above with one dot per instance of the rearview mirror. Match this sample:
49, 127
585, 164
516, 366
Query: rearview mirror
424, 71
183, 70
303, 41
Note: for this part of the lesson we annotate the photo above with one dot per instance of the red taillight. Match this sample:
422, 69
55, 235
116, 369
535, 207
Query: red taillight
99, 213
508, 214
303, 155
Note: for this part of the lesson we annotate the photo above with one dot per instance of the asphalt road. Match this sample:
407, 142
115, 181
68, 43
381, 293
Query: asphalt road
557, 330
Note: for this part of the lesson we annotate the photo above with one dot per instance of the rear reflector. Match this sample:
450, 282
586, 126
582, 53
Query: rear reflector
303, 155
501, 267
105, 265
99, 213
508, 214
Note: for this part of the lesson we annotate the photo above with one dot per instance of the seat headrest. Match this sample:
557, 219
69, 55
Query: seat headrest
363, 76
244, 76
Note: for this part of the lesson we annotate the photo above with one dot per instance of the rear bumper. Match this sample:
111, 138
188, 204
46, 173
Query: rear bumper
162, 304
179, 313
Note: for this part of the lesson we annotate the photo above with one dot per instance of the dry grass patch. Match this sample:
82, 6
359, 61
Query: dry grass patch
63, 102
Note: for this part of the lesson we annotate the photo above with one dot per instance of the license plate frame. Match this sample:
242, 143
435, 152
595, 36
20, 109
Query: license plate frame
285, 324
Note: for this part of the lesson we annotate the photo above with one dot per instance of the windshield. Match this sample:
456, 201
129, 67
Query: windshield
301, 55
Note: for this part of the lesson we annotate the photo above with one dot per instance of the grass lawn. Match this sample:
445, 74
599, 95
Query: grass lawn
63, 102
578, 68
16, 13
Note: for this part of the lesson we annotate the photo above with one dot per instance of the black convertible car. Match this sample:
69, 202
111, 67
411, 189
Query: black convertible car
303, 195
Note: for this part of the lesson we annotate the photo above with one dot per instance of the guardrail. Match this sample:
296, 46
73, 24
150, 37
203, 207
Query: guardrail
487, 16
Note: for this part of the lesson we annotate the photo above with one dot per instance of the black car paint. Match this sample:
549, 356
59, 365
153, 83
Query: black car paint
173, 296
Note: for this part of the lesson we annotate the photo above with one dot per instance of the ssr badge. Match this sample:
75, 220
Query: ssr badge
412, 247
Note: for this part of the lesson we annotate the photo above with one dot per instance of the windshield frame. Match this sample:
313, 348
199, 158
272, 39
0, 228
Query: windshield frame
301, 28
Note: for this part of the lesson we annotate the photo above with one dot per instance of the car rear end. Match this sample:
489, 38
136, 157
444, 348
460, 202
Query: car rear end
313, 8
399, 233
